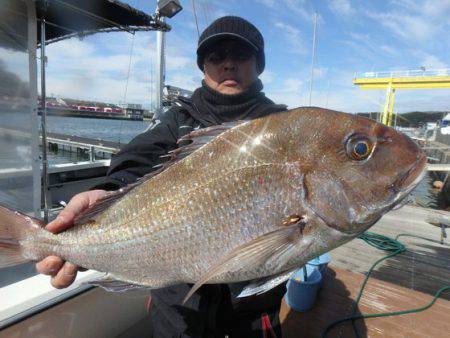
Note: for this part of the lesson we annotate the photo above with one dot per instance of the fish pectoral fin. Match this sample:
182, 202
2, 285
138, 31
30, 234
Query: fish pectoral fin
273, 245
263, 285
111, 284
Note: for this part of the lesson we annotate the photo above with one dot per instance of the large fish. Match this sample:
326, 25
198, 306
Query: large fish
247, 201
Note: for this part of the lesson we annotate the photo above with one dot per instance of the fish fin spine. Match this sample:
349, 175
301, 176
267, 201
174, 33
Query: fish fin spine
15, 227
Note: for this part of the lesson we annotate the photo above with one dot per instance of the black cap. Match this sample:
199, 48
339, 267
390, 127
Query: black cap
232, 27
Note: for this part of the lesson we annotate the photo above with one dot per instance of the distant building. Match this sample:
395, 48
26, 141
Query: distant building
134, 111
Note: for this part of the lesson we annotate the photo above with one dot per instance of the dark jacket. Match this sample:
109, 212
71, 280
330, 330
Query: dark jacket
211, 311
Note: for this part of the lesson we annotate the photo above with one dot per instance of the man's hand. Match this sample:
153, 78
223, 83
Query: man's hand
64, 273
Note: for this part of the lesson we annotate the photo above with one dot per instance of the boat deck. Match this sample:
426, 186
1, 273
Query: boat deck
403, 282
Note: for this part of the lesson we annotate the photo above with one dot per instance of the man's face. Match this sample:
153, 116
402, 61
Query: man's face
230, 67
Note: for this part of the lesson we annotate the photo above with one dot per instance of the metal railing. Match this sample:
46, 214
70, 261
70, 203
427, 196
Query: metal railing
403, 73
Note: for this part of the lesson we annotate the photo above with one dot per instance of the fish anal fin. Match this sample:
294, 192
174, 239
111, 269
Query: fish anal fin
273, 245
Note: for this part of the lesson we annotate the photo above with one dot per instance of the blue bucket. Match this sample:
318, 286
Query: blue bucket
321, 262
302, 295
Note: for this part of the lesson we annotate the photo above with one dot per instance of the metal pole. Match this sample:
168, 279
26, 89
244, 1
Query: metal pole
92, 154
35, 140
152, 103
313, 58
328, 92
43, 124
160, 69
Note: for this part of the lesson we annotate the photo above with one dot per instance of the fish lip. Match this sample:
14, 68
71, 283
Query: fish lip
412, 176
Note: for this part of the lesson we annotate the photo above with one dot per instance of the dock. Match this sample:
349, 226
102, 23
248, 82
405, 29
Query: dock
79, 144
437, 153
406, 281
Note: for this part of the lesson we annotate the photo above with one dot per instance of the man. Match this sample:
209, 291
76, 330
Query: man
231, 54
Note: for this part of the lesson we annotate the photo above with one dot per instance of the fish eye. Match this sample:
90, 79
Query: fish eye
359, 148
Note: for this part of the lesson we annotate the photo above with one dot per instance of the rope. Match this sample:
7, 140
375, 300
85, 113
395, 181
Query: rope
126, 84
195, 16
394, 247
129, 69
205, 13
387, 314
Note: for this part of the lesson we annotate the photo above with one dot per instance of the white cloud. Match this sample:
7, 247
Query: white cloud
320, 72
96, 68
416, 21
189, 81
73, 48
388, 49
407, 27
432, 62
269, 3
175, 62
365, 45
294, 38
267, 77
296, 7
292, 84
430, 8
342, 7
288, 92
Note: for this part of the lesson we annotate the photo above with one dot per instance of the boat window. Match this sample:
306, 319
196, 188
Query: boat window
16, 155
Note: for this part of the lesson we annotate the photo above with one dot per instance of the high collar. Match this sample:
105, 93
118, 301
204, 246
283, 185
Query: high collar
211, 107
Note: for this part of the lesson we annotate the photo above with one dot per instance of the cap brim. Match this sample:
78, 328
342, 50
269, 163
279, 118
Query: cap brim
221, 36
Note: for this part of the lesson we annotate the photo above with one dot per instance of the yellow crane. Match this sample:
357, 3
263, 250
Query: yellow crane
405, 79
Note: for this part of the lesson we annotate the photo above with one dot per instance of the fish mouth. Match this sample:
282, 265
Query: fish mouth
406, 182
412, 176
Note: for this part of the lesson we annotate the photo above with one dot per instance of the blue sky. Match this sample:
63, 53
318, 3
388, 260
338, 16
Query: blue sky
351, 36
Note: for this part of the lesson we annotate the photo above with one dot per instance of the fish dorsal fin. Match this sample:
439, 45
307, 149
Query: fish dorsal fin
274, 245
195, 139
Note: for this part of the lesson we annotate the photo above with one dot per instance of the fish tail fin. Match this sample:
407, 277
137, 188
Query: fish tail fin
15, 227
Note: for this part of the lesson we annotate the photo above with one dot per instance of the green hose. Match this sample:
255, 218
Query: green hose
394, 247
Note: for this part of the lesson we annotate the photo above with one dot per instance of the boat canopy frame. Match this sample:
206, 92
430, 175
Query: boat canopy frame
63, 19
70, 18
